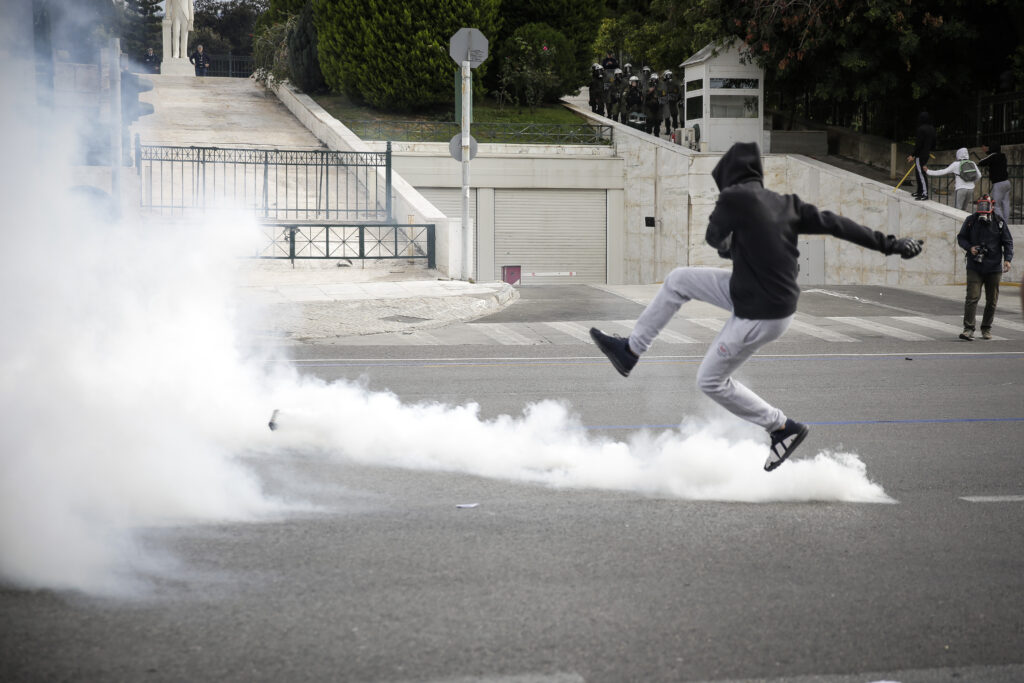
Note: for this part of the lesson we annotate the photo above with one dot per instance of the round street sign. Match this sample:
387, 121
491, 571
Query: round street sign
468, 44
455, 147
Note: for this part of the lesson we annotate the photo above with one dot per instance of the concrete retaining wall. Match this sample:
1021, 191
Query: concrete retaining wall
646, 178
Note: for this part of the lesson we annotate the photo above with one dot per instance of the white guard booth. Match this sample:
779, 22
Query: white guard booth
724, 98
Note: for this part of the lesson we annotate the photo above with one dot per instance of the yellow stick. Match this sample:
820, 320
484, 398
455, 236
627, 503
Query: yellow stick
903, 178
932, 156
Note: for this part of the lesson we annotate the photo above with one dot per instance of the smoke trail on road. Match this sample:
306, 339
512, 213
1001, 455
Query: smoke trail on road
719, 459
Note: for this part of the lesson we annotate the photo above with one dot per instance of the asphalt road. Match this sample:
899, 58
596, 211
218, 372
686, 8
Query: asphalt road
389, 581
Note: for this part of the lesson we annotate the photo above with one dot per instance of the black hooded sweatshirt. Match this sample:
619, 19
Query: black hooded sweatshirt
763, 227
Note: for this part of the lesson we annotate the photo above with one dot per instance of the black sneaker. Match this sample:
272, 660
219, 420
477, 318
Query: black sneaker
784, 442
617, 350
967, 334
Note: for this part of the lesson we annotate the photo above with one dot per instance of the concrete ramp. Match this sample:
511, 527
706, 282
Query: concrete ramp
218, 112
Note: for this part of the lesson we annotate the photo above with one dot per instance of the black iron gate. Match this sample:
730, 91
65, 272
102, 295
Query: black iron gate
277, 184
306, 240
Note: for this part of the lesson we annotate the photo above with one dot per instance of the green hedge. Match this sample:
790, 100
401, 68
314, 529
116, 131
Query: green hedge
395, 55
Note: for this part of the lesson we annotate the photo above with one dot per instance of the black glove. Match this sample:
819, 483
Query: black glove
906, 247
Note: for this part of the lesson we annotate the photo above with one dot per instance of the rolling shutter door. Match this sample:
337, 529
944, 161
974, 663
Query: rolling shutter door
550, 232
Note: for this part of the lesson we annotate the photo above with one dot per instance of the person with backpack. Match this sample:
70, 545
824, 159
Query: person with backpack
965, 173
995, 160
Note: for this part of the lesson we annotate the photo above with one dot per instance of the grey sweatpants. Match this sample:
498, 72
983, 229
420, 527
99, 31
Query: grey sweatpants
737, 341
1001, 198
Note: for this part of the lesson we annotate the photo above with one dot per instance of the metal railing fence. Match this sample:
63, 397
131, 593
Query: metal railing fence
306, 240
230, 66
277, 184
512, 133
941, 189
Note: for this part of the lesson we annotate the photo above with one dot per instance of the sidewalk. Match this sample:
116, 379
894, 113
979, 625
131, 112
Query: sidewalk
321, 300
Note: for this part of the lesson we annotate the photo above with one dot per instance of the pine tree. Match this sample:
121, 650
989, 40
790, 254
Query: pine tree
140, 28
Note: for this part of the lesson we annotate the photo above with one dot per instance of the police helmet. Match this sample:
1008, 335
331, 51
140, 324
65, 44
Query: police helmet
634, 79
617, 72
667, 74
646, 69
653, 77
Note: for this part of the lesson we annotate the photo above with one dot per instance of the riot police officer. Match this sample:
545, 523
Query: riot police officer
671, 87
597, 89
634, 98
652, 105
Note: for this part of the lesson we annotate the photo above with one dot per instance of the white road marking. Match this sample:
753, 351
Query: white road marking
504, 334
574, 330
993, 499
952, 330
886, 330
820, 332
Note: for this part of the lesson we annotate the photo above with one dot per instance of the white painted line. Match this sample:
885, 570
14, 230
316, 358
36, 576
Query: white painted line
886, 330
820, 332
574, 330
504, 334
993, 499
952, 330
1012, 324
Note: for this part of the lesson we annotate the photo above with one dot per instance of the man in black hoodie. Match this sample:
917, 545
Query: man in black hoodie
998, 175
924, 144
758, 230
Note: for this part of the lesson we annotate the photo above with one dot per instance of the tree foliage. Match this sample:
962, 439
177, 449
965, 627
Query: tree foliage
536, 64
395, 55
870, 63
229, 23
140, 28
303, 60
577, 20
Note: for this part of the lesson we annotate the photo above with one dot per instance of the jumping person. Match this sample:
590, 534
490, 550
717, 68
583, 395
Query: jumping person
758, 229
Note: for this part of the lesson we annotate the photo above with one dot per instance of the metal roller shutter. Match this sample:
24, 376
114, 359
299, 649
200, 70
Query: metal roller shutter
552, 233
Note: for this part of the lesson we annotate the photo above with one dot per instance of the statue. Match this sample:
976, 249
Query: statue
180, 14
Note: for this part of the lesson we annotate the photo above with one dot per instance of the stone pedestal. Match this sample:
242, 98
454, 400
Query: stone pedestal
176, 67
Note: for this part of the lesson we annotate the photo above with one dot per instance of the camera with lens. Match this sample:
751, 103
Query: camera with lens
979, 255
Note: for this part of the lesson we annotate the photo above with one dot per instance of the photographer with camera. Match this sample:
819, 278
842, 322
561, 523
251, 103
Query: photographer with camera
988, 244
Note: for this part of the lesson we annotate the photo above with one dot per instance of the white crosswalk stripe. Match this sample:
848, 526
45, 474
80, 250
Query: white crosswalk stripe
820, 332
879, 328
684, 331
1009, 324
574, 330
951, 330
505, 334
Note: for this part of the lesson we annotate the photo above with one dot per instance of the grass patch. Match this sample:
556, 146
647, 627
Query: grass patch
484, 111
551, 123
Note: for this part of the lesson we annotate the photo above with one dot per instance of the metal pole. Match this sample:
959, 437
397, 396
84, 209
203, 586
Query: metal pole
387, 176
467, 100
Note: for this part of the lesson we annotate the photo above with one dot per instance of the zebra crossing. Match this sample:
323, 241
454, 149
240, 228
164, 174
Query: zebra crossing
688, 331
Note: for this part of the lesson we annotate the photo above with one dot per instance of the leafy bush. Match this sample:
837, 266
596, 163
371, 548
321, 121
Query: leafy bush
537, 65
395, 55
270, 52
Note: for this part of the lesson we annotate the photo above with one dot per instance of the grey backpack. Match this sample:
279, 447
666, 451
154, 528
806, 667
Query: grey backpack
969, 171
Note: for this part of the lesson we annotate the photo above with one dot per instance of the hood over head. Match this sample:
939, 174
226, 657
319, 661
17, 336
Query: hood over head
742, 163
923, 117
961, 154
993, 148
